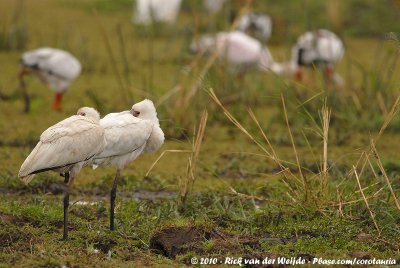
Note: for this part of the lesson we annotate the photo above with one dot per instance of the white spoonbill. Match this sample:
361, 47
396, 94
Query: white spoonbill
147, 11
55, 67
256, 24
320, 48
128, 134
66, 147
237, 48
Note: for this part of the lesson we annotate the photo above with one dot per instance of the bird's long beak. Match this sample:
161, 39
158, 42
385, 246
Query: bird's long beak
134, 113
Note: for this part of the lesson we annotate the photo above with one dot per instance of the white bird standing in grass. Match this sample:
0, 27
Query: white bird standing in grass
320, 48
237, 48
128, 134
257, 25
55, 67
148, 11
66, 147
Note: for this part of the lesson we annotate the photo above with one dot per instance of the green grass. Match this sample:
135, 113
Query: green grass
239, 199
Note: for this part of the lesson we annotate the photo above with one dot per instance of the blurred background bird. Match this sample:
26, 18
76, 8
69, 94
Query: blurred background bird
321, 49
149, 11
238, 49
257, 25
55, 67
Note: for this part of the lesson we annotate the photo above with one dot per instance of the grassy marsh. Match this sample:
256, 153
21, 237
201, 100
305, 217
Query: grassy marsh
241, 202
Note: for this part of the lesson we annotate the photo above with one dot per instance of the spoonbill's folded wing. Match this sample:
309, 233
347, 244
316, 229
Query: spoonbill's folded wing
73, 140
124, 134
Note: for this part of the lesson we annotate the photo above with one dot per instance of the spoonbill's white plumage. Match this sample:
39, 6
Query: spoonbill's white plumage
148, 11
128, 134
55, 67
320, 48
237, 48
257, 25
66, 147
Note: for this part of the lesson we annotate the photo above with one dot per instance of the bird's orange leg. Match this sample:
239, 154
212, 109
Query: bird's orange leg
57, 101
113, 195
328, 74
299, 74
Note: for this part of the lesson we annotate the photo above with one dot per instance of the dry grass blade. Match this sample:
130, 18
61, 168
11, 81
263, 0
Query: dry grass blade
366, 201
127, 98
161, 156
339, 199
393, 111
192, 161
305, 184
236, 122
185, 99
372, 167
326, 117
286, 171
381, 103
358, 200
379, 162
170, 93
253, 197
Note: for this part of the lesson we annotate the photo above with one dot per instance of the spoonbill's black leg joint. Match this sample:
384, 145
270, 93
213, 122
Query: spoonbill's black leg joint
66, 204
113, 195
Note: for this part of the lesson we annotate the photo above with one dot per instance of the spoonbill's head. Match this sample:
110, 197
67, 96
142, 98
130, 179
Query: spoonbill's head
203, 44
145, 110
89, 112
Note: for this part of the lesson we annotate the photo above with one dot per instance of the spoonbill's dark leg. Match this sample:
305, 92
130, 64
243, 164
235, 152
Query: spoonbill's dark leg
66, 204
113, 195
23, 90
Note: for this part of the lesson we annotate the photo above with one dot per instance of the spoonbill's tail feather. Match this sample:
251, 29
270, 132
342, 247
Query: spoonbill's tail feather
27, 179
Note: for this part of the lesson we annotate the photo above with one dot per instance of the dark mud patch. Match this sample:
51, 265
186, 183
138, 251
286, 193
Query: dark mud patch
57, 188
104, 244
11, 238
210, 242
149, 195
44, 187
89, 212
172, 241
10, 235
11, 219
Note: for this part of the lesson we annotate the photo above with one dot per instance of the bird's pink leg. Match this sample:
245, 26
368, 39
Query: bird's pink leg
57, 101
66, 204
113, 195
